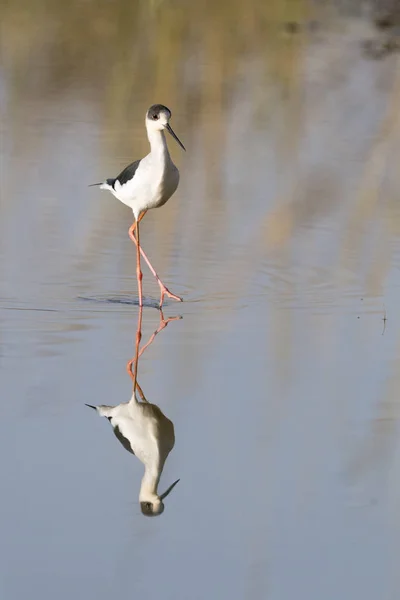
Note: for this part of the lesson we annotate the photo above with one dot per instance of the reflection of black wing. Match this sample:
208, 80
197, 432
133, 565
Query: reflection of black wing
124, 441
128, 173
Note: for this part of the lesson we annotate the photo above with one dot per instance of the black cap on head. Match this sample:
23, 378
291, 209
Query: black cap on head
155, 110
153, 115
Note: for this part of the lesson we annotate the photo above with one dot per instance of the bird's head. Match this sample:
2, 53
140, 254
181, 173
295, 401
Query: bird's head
152, 505
157, 119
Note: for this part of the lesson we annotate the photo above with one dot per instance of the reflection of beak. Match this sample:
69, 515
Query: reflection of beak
171, 131
171, 487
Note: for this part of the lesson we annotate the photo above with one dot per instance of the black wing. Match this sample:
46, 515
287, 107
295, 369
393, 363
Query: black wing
124, 441
128, 173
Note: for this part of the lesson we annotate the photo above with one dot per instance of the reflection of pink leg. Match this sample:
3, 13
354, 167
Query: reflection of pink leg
162, 325
131, 375
136, 358
138, 354
164, 290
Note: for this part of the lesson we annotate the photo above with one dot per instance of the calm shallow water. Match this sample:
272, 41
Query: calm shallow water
281, 378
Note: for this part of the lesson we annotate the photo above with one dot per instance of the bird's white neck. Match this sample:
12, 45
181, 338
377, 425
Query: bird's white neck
158, 145
150, 481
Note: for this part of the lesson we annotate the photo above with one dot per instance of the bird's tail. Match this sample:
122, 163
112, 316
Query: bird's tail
108, 184
104, 411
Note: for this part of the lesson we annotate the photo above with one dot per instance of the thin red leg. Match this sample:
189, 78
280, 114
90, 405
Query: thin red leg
139, 273
164, 290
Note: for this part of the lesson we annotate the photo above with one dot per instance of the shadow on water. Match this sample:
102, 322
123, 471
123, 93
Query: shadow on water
128, 300
143, 429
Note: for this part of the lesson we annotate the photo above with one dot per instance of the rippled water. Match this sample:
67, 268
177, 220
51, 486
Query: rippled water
283, 239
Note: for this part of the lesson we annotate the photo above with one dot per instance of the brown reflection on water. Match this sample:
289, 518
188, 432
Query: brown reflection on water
212, 67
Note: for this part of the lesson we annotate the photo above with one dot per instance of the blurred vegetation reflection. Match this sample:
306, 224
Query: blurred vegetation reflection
252, 86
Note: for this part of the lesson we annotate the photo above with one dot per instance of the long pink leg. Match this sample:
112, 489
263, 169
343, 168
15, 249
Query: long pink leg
164, 290
139, 273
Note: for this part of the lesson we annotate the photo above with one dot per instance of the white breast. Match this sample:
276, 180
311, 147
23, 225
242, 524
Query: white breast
151, 186
166, 186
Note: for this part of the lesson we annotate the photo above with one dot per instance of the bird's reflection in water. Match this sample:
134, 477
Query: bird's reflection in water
144, 430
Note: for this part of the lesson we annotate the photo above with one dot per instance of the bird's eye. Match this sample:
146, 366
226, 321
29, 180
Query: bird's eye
155, 117
148, 504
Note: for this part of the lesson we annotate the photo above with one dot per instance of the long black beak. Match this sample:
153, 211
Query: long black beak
171, 487
171, 131
91, 406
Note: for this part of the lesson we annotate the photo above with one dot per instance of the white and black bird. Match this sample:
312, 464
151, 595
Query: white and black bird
144, 430
148, 183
